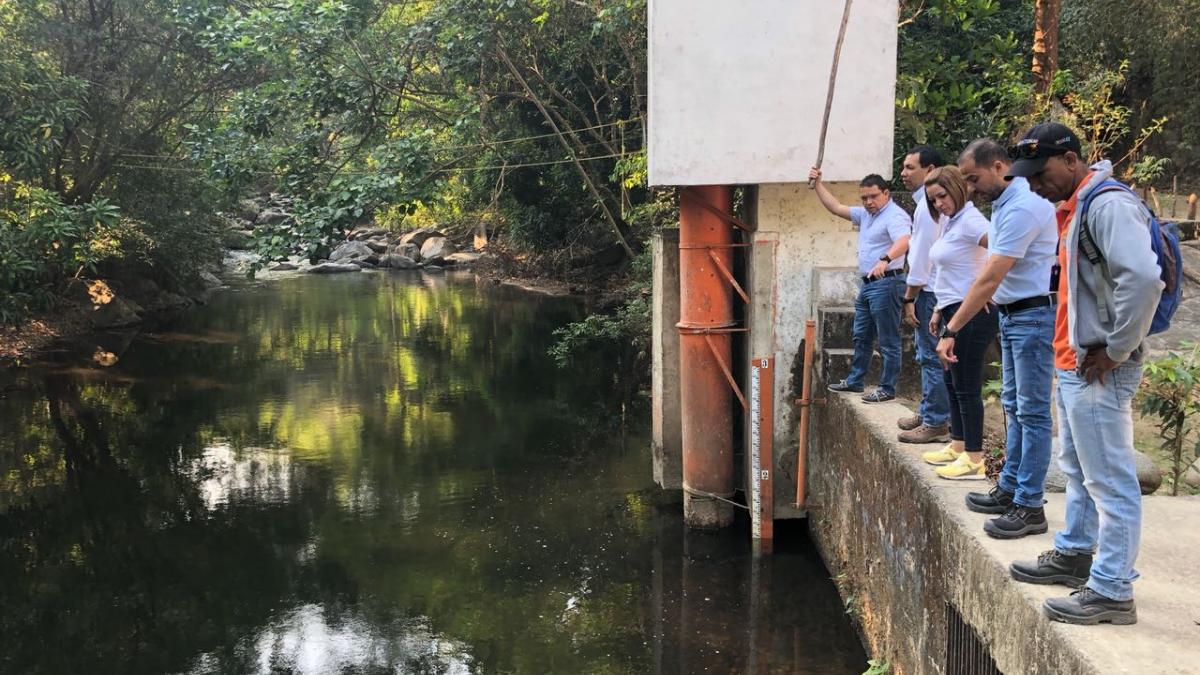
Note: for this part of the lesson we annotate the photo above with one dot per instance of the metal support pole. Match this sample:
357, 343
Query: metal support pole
705, 315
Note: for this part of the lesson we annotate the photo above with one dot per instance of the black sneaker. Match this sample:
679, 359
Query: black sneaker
992, 501
1017, 522
842, 386
1086, 607
1054, 567
878, 396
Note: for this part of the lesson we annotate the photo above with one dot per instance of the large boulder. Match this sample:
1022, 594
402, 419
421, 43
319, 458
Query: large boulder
436, 249
463, 258
334, 268
407, 250
116, 313
1149, 477
351, 251
1191, 475
210, 280
248, 209
272, 216
284, 267
396, 261
367, 233
419, 236
377, 245
168, 300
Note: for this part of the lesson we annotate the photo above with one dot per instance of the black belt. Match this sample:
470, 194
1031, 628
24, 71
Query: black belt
889, 273
1028, 303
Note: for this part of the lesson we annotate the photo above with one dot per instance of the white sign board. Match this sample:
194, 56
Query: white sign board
737, 90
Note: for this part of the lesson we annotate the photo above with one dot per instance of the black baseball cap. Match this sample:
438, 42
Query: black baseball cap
1039, 144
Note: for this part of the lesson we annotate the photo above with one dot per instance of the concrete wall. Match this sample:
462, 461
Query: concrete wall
903, 545
665, 440
737, 90
802, 257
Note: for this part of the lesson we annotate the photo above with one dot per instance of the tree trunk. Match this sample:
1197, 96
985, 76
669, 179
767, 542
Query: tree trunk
587, 179
1045, 44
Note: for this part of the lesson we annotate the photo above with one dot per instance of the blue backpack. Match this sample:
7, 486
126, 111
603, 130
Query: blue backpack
1164, 239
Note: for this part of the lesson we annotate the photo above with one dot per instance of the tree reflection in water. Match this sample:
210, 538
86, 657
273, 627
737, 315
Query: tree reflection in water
363, 474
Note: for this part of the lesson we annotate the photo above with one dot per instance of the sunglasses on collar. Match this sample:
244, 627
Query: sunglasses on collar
1032, 148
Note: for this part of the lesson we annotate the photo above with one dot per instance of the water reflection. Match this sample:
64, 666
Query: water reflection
305, 642
368, 474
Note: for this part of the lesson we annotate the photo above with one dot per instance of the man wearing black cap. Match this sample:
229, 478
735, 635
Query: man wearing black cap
1021, 244
1104, 313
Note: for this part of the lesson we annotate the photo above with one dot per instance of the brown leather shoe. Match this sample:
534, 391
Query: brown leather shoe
909, 423
924, 434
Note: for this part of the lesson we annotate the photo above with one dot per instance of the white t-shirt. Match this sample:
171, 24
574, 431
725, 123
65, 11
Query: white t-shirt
925, 231
957, 256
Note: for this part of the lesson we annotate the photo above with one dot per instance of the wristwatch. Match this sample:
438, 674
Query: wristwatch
908, 301
885, 258
947, 333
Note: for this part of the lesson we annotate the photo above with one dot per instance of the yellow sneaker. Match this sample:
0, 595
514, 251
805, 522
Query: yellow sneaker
962, 469
941, 457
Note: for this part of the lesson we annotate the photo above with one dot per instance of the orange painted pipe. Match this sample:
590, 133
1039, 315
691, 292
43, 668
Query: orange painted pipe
705, 303
810, 336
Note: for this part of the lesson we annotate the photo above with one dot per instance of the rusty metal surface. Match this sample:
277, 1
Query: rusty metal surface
706, 306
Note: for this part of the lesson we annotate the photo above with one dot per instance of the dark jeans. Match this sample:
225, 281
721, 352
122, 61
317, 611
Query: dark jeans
964, 379
877, 315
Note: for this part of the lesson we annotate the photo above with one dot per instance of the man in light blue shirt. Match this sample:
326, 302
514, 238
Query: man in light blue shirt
883, 233
1019, 276
931, 423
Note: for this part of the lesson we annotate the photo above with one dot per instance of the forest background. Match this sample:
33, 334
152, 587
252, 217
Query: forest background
130, 130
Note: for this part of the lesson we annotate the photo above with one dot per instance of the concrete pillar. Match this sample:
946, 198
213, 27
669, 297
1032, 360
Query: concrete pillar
666, 446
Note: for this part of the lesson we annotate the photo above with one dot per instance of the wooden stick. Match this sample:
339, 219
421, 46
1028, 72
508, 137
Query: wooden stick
1154, 198
1175, 195
837, 55
1192, 206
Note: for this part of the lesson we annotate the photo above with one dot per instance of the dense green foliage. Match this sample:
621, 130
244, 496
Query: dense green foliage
1170, 394
525, 116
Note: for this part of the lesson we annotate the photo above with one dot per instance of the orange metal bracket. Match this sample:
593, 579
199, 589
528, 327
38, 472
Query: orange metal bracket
704, 204
728, 373
728, 276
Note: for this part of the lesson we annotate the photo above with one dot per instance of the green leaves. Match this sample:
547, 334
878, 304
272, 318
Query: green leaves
1170, 392
963, 71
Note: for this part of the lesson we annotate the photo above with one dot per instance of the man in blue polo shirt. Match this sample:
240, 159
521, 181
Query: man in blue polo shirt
883, 232
1022, 240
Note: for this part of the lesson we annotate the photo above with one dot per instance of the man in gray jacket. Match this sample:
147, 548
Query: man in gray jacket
1104, 314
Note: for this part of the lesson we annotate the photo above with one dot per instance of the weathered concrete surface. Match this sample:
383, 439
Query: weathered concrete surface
902, 543
666, 441
800, 252
737, 90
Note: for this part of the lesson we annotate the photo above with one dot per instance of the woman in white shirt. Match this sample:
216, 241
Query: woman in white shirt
958, 256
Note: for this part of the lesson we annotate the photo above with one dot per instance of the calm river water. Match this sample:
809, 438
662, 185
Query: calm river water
370, 474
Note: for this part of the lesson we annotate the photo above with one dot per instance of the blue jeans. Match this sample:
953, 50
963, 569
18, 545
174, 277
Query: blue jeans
877, 315
935, 404
1104, 500
1027, 348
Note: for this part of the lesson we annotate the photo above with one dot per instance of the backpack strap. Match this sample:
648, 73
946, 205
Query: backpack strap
1087, 243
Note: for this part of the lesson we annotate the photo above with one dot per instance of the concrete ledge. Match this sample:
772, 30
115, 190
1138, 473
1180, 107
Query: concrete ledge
902, 545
